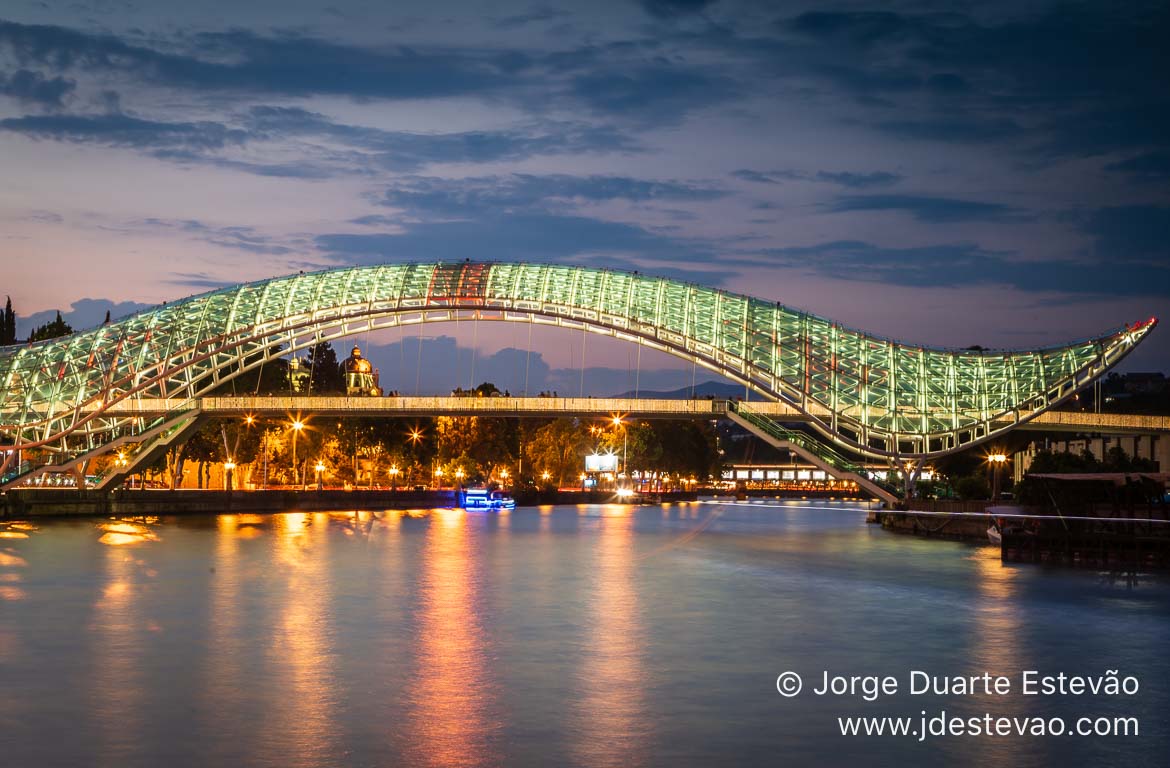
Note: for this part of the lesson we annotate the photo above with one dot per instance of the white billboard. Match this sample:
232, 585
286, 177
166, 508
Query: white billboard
601, 462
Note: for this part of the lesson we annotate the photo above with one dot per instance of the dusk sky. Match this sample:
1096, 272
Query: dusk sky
946, 173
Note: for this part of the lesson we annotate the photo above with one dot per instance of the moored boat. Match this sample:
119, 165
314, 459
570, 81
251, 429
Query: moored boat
485, 499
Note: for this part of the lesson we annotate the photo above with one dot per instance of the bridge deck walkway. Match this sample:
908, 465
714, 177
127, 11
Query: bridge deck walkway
1074, 421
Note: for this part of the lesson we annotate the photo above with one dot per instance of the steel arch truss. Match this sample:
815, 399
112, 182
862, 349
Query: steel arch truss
867, 394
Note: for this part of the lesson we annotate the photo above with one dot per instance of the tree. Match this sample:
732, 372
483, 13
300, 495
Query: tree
325, 374
51, 330
558, 448
8, 324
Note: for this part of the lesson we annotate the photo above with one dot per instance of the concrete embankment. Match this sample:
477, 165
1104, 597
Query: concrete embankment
942, 526
63, 503
44, 502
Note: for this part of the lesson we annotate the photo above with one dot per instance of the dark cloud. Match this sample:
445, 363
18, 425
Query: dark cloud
537, 237
118, 130
240, 60
1150, 166
965, 264
859, 180
436, 364
929, 209
757, 176
652, 93
239, 238
539, 14
30, 87
200, 281
404, 151
81, 315
843, 178
1088, 75
342, 149
664, 9
1136, 234
968, 128
489, 195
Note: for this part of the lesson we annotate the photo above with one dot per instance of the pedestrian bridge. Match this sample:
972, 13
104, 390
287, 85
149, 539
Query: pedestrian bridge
74, 396
553, 407
765, 419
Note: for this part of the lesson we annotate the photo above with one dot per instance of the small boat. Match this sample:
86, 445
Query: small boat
483, 499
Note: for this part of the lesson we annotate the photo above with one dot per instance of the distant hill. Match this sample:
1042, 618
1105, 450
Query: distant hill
717, 388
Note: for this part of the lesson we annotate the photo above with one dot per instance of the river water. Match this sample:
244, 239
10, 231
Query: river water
560, 636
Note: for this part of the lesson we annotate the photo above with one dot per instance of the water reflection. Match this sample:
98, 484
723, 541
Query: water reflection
303, 725
119, 682
996, 648
452, 696
225, 668
612, 727
125, 532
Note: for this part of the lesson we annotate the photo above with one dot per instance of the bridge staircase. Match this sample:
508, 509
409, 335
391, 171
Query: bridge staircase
153, 443
162, 431
808, 448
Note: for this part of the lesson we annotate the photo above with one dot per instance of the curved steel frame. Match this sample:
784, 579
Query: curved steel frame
870, 395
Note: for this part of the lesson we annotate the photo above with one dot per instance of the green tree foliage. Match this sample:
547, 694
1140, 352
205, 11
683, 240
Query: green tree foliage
8, 324
270, 378
52, 330
480, 446
973, 486
325, 374
1031, 490
559, 448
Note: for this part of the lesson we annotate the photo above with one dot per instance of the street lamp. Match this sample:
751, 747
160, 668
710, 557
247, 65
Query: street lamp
320, 468
617, 422
297, 426
393, 476
438, 478
459, 476
504, 476
996, 460
545, 475
228, 466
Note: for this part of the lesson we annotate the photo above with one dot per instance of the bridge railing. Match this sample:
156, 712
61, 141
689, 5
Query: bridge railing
810, 444
503, 406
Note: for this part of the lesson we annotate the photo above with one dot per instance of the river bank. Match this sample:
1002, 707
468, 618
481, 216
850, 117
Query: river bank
45, 502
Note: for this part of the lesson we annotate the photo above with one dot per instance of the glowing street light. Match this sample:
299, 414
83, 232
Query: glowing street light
617, 422
996, 460
320, 468
228, 466
297, 426
545, 475
393, 476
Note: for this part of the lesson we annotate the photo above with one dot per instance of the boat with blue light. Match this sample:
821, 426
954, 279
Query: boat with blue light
483, 499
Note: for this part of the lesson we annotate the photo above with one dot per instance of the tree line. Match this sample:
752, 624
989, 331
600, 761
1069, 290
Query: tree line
50, 330
445, 450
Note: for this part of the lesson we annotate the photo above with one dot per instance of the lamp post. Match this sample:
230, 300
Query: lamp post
438, 478
996, 460
617, 422
297, 426
320, 468
459, 477
228, 466
393, 477
504, 477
